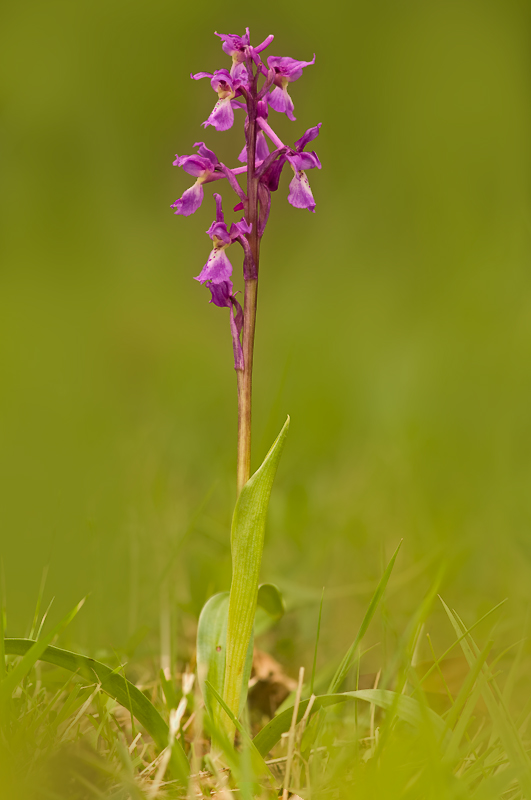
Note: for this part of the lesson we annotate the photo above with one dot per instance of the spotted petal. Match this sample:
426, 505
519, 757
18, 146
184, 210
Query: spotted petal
217, 269
300, 194
222, 116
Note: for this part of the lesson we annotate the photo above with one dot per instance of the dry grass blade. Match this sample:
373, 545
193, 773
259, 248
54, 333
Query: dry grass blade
291, 738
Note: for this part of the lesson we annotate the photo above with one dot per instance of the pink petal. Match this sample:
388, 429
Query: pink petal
222, 116
280, 100
190, 201
300, 194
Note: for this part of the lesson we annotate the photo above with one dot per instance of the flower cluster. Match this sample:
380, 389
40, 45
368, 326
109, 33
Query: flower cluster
237, 88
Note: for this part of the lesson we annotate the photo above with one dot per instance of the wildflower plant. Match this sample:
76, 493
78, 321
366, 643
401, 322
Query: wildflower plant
414, 751
246, 93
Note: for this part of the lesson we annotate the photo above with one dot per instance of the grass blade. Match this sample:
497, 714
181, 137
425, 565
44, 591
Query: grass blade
317, 635
406, 708
502, 720
33, 654
117, 687
342, 670
466, 632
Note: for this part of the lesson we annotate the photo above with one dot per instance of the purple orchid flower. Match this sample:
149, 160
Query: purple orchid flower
300, 195
201, 166
236, 47
218, 267
223, 296
227, 87
286, 71
239, 48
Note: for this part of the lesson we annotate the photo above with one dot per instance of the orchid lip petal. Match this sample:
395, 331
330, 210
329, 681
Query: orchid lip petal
280, 100
217, 268
222, 116
300, 195
190, 201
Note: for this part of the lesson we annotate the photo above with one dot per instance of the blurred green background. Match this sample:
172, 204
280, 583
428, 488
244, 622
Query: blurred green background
394, 324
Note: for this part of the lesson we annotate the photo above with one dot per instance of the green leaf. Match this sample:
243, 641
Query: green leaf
247, 541
271, 600
211, 652
346, 663
406, 708
269, 608
116, 686
211, 646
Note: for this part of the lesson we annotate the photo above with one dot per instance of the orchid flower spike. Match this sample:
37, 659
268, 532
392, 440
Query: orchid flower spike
238, 87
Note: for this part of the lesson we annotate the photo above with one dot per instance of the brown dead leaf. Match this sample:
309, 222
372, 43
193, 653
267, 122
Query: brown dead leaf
269, 685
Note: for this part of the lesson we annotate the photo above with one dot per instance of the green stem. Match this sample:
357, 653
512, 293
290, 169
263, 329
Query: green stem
245, 376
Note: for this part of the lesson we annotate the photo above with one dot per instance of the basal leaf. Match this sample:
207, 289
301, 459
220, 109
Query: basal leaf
247, 541
271, 600
211, 652
211, 646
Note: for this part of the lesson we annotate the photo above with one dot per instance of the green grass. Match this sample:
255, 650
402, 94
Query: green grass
64, 736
